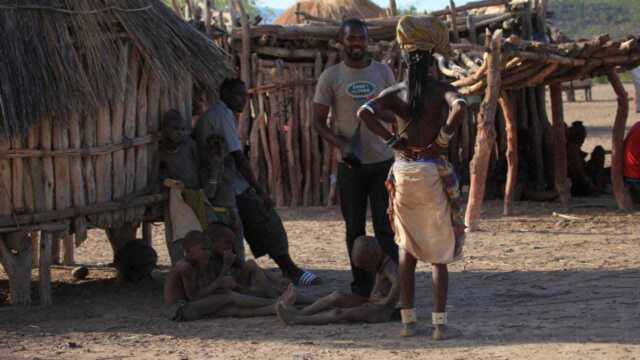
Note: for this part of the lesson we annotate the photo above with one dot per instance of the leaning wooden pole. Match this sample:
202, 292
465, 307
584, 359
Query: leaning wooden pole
486, 134
511, 127
245, 70
559, 144
617, 143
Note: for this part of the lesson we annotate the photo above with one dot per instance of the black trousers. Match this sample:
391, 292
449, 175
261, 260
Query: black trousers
357, 186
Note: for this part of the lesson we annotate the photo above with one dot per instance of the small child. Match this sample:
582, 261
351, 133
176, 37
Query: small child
250, 278
179, 157
337, 307
195, 290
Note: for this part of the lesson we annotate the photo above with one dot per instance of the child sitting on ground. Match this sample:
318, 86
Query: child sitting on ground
195, 289
250, 278
337, 307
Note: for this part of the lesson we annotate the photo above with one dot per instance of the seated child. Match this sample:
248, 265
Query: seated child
250, 278
195, 291
337, 307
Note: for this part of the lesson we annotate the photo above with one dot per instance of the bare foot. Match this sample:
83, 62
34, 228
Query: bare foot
288, 297
443, 332
282, 310
409, 330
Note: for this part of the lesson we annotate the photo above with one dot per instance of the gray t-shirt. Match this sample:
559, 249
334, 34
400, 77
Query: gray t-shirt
219, 120
345, 89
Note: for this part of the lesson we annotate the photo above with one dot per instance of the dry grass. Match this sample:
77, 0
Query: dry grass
332, 9
62, 56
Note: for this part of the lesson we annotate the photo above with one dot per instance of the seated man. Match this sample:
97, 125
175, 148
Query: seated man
193, 288
587, 177
261, 224
337, 307
632, 162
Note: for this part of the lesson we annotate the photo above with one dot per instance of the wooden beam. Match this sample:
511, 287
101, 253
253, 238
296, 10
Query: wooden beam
486, 135
92, 209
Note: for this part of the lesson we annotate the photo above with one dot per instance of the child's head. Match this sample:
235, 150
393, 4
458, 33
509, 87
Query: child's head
174, 127
196, 246
367, 254
577, 133
221, 238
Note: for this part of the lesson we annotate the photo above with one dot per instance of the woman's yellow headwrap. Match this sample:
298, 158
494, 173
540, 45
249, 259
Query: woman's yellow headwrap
425, 33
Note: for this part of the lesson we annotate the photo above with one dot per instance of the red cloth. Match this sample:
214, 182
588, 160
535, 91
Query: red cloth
632, 153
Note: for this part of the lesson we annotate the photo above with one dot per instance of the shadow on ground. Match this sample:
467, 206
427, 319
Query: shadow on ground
488, 307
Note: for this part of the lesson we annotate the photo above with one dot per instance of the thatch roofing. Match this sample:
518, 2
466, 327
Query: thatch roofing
331, 9
59, 57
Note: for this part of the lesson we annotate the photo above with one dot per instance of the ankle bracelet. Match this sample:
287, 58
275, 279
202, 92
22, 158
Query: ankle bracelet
439, 318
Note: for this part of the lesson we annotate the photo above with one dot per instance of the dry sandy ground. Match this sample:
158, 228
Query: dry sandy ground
532, 286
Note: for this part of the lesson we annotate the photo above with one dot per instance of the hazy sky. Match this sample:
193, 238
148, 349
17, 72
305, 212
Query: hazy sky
420, 4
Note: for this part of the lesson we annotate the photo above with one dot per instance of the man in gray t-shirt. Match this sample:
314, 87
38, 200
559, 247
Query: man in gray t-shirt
261, 224
364, 159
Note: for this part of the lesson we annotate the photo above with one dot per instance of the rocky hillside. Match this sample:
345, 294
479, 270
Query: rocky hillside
586, 18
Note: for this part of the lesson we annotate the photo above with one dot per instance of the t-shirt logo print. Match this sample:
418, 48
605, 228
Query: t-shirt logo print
361, 90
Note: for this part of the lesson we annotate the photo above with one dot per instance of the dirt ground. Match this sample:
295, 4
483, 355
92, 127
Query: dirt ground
531, 286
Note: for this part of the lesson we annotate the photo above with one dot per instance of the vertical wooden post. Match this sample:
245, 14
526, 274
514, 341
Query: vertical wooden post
486, 134
147, 233
15, 256
617, 143
559, 144
393, 9
117, 129
452, 17
63, 187
245, 70
473, 37
103, 163
46, 142
77, 183
46, 238
130, 125
511, 126
207, 18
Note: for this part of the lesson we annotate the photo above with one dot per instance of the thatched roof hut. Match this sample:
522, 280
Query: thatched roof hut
331, 9
83, 85
62, 57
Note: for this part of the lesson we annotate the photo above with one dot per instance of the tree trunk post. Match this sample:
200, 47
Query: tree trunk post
617, 143
393, 9
511, 126
245, 70
560, 144
46, 240
17, 266
486, 134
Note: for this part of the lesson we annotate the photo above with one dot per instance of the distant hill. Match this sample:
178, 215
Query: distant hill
587, 18
269, 14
